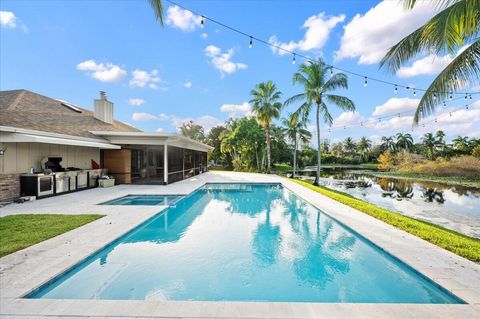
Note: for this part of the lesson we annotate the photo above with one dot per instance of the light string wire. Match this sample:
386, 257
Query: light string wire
419, 127
294, 54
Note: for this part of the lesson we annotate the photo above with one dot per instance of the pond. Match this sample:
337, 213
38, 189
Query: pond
451, 206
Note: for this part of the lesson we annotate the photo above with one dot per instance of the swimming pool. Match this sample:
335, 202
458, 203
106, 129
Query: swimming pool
244, 242
146, 200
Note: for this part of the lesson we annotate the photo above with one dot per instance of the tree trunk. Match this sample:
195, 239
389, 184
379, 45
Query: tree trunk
294, 156
319, 159
267, 132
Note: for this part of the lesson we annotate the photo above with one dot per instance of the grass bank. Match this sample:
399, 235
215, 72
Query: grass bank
21, 231
429, 178
457, 243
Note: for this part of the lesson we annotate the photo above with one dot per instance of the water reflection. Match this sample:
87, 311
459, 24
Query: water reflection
454, 207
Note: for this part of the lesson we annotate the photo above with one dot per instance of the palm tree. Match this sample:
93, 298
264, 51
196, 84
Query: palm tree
349, 146
441, 145
461, 144
363, 146
266, 106
388, 144
316, 91
456, 25
295, 131
404, 141
430, 143
157, 7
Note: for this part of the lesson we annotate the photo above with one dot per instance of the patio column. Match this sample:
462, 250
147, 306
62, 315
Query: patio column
165, 163
183, 163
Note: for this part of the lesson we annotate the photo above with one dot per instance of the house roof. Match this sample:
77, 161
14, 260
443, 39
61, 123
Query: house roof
29, 110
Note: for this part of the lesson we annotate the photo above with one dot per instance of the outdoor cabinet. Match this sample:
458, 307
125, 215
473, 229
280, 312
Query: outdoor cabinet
118, 164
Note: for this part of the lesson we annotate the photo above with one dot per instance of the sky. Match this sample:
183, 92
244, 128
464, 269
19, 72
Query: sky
159, 77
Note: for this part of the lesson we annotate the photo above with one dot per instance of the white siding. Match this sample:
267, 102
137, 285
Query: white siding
20, 157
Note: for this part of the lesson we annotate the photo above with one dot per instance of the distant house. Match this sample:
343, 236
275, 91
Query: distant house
34, 127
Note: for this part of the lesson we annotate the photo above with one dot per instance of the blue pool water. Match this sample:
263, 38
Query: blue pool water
244, 242
146, 200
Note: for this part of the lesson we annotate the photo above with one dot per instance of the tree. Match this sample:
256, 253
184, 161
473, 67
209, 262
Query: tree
193, 131
455, 26
460, 144
363, 147
430, 143
441, 145
388, 144
316, 91
266, 106
294, 129
404, 142
214, 138
157, 7
349, 146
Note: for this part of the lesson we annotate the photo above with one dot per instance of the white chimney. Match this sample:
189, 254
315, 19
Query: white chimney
103, 109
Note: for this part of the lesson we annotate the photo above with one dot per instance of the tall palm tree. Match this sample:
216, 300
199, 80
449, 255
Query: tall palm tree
317, 88
404, 141
441, 145
363, 147
456, 25
430, 143
266, 107
388, 143
295, 130
157, 7
349, 146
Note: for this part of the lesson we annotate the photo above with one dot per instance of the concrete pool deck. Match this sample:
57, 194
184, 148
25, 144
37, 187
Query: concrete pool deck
25, 270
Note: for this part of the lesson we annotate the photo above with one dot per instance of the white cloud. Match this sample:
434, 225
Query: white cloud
8, 19
236, 110
103, 72
143, 117
347, 118
163, 117
396, 105
136, 102
222, 60
142, 78
160, 130
188, 85
182, 19
204, 35
431, 64
369, 36
207, 121
318, 29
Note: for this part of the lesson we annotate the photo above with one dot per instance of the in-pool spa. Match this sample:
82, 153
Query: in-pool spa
244, 242
146, 200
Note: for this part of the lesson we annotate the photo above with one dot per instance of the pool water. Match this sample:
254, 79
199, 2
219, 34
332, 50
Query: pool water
146, 200
244, 242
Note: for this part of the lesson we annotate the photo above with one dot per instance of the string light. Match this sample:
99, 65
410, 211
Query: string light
365, 83
293, 60
466, 96
250, 44
278, 47
450, 97
450, 114
414, 92
395, 90
434, 96
331, 72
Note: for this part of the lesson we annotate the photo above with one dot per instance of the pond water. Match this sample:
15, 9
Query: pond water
451, 206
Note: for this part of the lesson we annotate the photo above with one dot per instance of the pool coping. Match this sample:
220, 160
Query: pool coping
22, 272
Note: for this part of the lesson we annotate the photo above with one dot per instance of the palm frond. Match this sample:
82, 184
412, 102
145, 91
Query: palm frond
342, 101
446, 31
326, 116
157, 7
294, 99
338, 80
464, 69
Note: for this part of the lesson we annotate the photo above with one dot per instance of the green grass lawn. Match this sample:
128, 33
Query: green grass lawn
457, 243
21, 231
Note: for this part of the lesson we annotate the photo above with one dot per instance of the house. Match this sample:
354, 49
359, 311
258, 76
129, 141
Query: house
34, 127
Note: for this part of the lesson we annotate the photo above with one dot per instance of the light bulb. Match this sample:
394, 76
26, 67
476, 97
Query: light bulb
395, 90
414, 92
434, 96
202, 22
331, 72
293, 60
365, 83
251, 43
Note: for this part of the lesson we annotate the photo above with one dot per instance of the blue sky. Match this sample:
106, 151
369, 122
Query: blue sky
158, 77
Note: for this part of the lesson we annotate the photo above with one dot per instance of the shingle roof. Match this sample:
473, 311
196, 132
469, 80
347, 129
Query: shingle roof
29, 110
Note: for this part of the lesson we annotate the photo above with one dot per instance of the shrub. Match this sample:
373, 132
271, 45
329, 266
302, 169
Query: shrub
386, 161
476, 151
